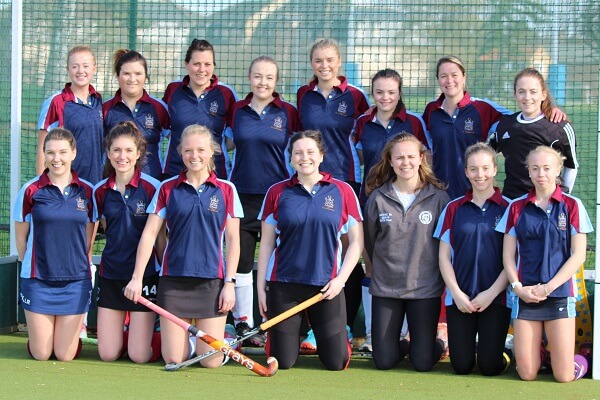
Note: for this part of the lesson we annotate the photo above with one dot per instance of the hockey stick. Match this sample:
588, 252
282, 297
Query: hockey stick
218, 345
260, 329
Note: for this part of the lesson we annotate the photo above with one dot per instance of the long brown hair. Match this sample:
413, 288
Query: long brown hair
130, 130
383, 172
548, 103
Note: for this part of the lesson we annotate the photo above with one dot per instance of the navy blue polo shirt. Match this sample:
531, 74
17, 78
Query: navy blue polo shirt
84, 120
309, 227
334, 116
125, 217
475, 245
210, 109
371, 137
57, 242
544, 236
261, 143
150, 116
196, 222
452, 134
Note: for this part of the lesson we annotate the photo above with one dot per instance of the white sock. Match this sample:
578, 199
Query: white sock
244, 299
366, 299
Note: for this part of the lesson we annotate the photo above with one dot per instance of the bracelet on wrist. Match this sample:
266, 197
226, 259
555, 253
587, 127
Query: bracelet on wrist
546, 290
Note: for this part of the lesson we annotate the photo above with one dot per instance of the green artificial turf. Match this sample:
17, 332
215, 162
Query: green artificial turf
89, 378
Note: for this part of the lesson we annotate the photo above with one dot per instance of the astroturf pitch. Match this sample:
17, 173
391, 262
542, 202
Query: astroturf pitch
89, 378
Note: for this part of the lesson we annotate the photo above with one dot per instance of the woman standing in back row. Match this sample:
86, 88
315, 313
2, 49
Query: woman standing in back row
331, 105
518, 134
259, 129
200, 98
132, 103
77, 108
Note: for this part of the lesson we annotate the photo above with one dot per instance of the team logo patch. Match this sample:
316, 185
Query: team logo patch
425, 217
214, 204
149, 121
497, 221
562, 222
80, 204
214, 107
506, 136
278, 123
140, 208
469, 123
342, 108
328, 205
385, 217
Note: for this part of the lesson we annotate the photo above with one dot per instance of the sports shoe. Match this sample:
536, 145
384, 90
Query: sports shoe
83, 332
257, 340
310, 343
230, 336
581, 366
242, 328
545, 362
350, 336
367, 344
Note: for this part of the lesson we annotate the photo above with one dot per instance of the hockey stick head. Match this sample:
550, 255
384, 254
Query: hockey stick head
173, 366
269, 370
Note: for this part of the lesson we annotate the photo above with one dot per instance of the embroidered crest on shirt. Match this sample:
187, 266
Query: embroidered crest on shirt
149, 121
562, 222
214, 107
80, 204
278, 123
328, 203
140, 208
425, 217
342, 108
498, 218
469, 123
214, 204
385, 217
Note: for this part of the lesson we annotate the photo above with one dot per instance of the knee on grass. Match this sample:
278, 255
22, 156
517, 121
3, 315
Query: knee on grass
40, 355
527, 374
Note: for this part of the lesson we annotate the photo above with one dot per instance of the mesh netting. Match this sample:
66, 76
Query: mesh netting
495, 39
